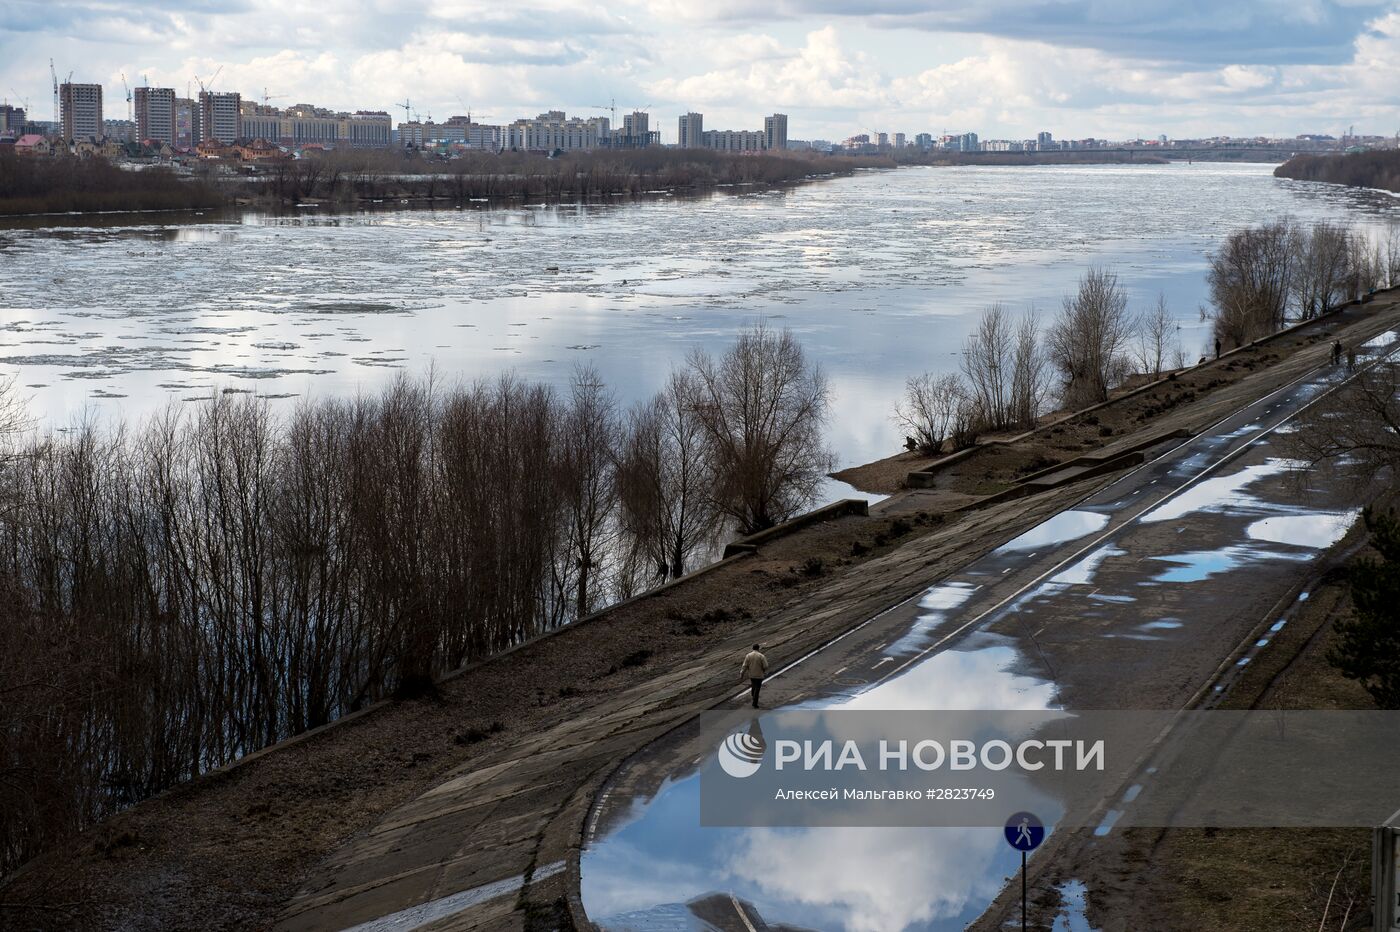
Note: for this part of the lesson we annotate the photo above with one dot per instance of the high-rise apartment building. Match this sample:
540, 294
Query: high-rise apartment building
220, 116
155, 114
186, 122
900, 140
691, 131
775, 132
11, 120
80, 108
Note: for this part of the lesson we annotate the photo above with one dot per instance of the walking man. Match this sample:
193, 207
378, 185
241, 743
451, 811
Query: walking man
755, 667
1336, 352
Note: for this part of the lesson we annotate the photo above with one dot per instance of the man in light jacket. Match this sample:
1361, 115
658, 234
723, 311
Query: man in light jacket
754, 669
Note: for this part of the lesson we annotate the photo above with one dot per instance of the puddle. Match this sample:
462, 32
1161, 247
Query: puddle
1219, 493
1064, 527
935, 605
1082, 573
1316, 531
1071, 918
1202, 564
644, 874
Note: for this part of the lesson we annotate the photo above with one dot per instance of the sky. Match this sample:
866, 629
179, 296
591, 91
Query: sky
1112, 69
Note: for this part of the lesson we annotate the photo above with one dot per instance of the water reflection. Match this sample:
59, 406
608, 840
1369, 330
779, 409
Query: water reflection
642, 875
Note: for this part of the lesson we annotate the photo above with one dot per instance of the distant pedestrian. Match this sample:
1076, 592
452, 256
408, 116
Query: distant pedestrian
1336, 352
754, 669
1351, 359
1217, 347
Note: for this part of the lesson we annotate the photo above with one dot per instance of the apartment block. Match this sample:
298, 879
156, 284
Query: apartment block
553, 130
775, 132
11, 120
220, 116
154, 109
691, 131
80, 109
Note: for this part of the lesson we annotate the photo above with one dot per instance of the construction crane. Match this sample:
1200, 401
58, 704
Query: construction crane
611, 108
266, 97
127, 87
57, 124
208, 88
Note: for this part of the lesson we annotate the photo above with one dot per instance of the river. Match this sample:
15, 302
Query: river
881, 275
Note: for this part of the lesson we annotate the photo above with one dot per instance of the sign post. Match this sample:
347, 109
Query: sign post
1025, 832
1385, 875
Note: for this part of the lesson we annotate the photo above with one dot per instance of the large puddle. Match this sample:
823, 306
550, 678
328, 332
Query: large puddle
866, 879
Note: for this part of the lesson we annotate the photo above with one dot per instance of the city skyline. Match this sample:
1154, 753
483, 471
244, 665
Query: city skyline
1008, 69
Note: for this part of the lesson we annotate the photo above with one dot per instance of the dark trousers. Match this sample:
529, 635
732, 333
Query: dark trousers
755, 685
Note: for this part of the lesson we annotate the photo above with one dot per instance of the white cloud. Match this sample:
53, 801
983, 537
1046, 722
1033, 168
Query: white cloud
1008, 68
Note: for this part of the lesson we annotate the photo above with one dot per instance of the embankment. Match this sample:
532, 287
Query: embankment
1379, 170
497, 775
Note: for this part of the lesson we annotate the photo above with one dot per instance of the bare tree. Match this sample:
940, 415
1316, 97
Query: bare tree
1249, 282
1320, 269
1391, 253
1030, 384
764, 409
1088, 341
588, 481
663, 479
1354, 431
931, 409
1156, 337
988, 366
1367, 266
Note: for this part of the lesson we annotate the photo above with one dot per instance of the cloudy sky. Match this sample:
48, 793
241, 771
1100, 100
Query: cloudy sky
1002, 68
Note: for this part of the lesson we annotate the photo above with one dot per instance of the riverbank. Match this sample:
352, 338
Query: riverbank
1378, 170
358, 178
317, 830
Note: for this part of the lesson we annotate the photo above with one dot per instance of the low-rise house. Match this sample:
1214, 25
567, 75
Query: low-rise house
213, 149
33, 144
259, 150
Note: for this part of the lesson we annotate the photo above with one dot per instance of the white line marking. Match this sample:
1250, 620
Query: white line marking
417, 916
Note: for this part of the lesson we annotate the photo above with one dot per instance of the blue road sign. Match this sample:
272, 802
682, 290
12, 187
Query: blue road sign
1024, 831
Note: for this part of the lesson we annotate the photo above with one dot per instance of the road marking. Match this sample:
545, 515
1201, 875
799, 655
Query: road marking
740, 911
418, 916
883, 661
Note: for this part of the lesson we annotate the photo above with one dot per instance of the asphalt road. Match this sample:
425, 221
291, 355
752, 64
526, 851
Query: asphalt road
1137, 597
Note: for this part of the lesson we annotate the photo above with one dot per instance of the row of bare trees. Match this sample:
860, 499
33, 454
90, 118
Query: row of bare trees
180, 593
367, 174
1012, 369
1262, 277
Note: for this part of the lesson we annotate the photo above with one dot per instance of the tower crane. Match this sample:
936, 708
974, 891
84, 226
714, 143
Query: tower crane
611, 108
57, 123
127, 87
266, 97
407, 108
